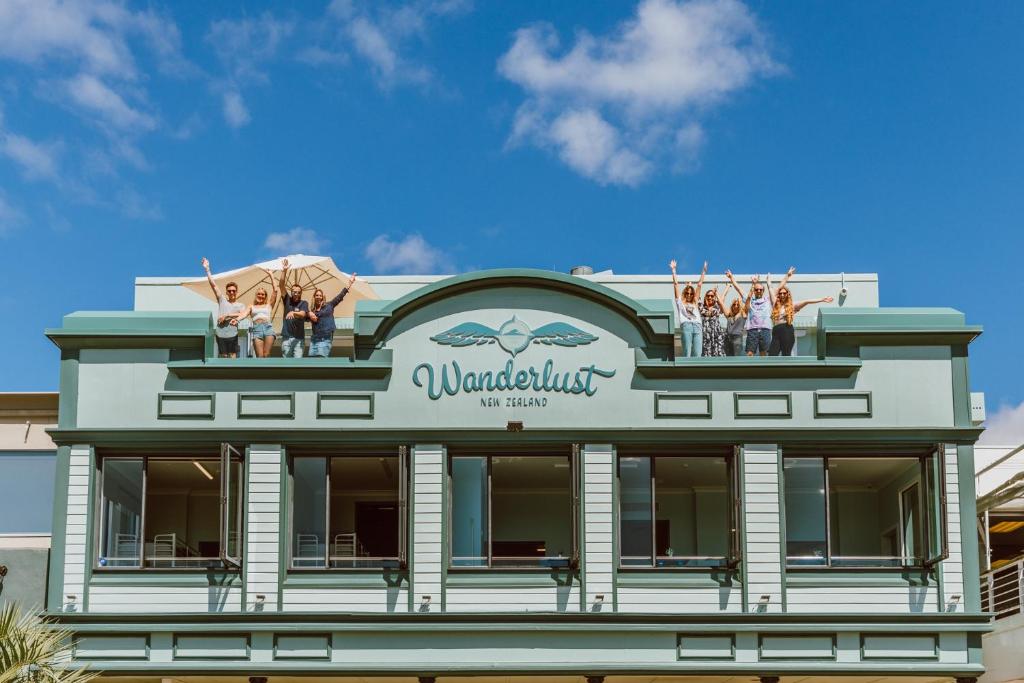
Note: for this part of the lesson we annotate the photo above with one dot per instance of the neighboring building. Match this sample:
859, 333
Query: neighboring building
27, 463
512, 473
1000, 485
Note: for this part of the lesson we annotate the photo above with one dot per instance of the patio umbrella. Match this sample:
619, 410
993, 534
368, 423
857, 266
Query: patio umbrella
309, 272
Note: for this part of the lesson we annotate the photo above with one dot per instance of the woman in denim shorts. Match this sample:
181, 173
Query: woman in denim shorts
262, 330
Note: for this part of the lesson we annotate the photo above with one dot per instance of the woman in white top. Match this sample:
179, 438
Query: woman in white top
262, 311
688, 311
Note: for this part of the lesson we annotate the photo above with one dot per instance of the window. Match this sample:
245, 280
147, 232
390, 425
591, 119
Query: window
349, 510
677, 511
26, 485
170, 511
848, 510
513, 511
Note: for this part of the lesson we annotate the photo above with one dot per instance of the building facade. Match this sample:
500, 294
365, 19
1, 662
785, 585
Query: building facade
513, 473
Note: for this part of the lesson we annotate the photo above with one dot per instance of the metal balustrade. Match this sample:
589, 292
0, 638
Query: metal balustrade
1002, 590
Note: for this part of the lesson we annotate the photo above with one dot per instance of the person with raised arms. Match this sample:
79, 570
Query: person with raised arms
688, 311
784, 309
296, 310
261, 312
229, 311
322, 317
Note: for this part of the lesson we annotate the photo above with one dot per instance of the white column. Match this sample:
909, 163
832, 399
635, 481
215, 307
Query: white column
265, 489
75, 537
598, 553
762, 552
427, 494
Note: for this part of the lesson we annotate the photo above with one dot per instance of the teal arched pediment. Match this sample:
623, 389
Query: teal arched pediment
374, 320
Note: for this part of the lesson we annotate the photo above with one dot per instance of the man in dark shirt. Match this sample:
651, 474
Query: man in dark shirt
322, 317
293, 330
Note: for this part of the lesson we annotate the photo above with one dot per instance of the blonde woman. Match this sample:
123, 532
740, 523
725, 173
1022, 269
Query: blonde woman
688, 312
784, 309
261, 312
735, 321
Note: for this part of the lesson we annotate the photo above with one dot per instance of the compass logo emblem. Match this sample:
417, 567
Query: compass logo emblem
514, 335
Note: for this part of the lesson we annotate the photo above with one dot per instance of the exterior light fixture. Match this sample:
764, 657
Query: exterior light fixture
206, 472
764, 600
425, 601
954, 600
71, 600
599, 599
260, 601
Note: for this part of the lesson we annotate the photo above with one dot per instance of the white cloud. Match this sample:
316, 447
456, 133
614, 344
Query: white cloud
380, 35
10, 216
411, 255
1005, 427
37, 160
298, 240
235, 111
615, 107
94, 96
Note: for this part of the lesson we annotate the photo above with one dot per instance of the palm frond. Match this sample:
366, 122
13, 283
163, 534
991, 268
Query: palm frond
33, 649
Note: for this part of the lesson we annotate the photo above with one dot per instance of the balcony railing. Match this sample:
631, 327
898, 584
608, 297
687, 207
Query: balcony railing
1002, 589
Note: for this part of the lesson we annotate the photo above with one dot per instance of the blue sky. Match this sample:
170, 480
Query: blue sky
433, 135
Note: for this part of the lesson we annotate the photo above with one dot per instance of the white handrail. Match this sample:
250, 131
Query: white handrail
1002, 589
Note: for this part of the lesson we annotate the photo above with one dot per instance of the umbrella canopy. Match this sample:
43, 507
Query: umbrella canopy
310, 272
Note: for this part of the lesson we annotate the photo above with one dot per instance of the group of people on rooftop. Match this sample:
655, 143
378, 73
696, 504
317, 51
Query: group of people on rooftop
231, 312
765, 317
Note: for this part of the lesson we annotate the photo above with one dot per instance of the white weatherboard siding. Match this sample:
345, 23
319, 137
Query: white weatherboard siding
165, 599
862, 599
598, 541
427, 553
375, 600
77, 526
680, 600
953, 568
521, 599
762, 550
262, 547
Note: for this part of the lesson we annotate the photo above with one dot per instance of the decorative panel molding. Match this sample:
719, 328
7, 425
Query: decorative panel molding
267, 405
111, 647
763, 404
675, 405
185, 406
798, 646
899, 646
842, 404
707, 647
344, 405
211, 646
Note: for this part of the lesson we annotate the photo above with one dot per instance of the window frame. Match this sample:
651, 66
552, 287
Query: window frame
575, 487
404, 487
932, 504
734, 556
228, 454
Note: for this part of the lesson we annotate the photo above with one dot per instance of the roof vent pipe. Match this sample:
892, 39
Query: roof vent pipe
581, 270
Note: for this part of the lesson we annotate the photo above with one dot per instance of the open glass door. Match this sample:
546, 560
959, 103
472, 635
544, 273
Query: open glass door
230, 506
935, 505
735, 509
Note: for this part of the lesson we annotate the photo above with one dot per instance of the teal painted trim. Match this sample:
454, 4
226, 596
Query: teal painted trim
114, 339
974, 648
145, 437
367, 397
704, 658
667, 398
968, 528
616, 528
328, 646
411, 528
58, 538
284, 531
961, 386
669, 578
91, 529
328, 579
373, 320
245, 528
67, 408
506, 579
867, 658
156, 578
177, 655
826, 395
868, 578
280, 368
739, 396
741, 462
166, 397
581, 535
767, 367
244, 397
